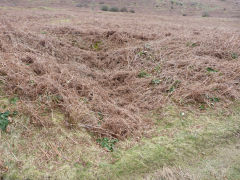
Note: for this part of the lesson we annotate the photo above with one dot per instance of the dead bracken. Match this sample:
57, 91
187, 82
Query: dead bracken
121, 73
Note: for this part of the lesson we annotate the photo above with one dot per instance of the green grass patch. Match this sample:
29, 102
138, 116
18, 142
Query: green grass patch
234, 55
188, 139
107, 143
143, 74
209, 69
155, 81
180, 138
4, 120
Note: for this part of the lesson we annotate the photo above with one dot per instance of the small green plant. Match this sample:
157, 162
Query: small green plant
234, 55
214, 99
195, 44
4, 120
14, 113
96, 45
202, 107
142, 74
174, 86
83, 99
107, 143
104, 8
13, 100
156, 81
205, 14
189, 44
142, 53
43, 32
100, 115
57, 98
124, 9
209, 69
158, 68
114, 9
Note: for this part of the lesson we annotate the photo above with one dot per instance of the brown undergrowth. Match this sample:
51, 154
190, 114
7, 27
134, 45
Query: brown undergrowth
107, 80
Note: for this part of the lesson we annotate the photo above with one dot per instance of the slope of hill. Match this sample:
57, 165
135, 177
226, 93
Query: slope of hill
86, 94
217, 8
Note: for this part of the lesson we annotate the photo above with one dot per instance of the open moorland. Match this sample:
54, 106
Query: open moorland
88, 92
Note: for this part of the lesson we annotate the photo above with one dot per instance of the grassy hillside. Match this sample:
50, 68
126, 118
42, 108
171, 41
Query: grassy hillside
216, 8
88, 94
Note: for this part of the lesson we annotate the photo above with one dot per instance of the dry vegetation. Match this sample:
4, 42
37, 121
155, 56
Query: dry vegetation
114, 73
107, 73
